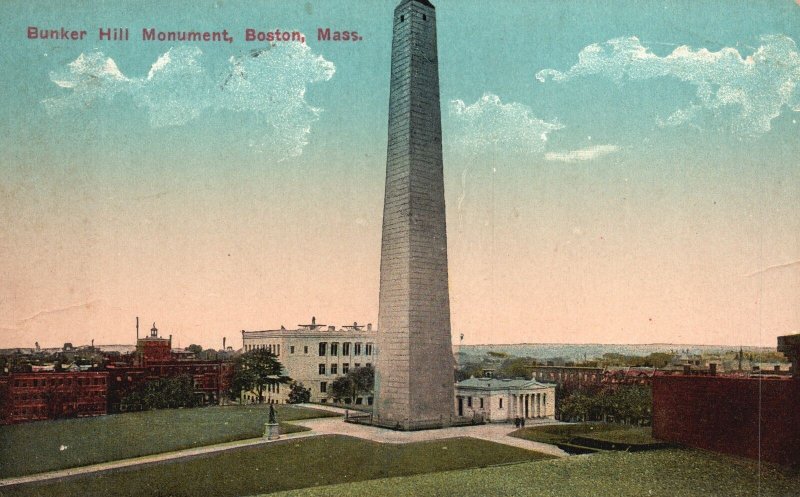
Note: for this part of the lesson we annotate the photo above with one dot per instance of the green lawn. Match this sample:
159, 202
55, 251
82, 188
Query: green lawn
600, 431
663, 473
284, 465
49, 445
636, 435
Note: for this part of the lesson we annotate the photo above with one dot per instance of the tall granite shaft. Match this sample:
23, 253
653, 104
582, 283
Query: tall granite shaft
414, 366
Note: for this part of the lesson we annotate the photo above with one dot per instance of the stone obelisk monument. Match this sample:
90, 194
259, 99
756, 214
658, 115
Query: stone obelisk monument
414, 366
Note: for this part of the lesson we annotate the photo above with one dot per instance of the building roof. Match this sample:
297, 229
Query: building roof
499, 384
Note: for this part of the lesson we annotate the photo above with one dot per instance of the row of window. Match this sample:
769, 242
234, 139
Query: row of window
334, 348
325, 348
43, 382
500, 405
253, 398
334, 369
274, 348
41, 396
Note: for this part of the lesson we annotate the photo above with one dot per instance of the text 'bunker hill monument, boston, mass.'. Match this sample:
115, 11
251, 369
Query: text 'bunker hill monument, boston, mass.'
414, 367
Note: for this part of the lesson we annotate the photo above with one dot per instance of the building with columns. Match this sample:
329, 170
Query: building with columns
501, 400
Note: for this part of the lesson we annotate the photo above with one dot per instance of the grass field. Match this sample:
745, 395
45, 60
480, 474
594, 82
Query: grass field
285, 465
555, 434
49, 445
664, 473
628, 435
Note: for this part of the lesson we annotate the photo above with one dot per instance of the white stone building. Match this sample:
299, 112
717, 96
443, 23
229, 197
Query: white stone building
502, 400
314, 355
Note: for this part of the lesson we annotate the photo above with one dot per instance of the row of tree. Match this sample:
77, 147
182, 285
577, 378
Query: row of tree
162, 393
630, 404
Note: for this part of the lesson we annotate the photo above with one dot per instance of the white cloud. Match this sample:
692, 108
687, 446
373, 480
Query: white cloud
743, 93
489, 123
582, 154
270, 83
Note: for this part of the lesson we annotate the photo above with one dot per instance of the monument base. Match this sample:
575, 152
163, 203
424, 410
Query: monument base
414, 425
272, 431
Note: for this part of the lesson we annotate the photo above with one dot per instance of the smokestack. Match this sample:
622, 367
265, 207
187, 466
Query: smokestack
137, 328
223, 343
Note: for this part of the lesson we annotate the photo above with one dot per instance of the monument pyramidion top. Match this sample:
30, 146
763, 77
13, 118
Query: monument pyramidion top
423, 2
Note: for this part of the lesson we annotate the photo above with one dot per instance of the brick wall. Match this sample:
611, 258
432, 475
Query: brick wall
750, 417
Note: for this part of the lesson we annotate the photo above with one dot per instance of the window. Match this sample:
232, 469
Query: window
346, 348
305, 349
345, 368
291, 349
335, 348
368, 349
402, 18
424, 17
357, 365
501, 403
321, 369
481, 402
357, 349
369, 364
323, 386
323, 348
469, 401
334, 368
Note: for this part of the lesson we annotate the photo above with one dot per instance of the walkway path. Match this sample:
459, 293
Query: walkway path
492, 432
319, 426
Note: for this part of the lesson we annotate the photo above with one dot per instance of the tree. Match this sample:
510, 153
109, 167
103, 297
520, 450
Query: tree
162, 393
516, 367
359, 381
194, 348
256, 370
298, 393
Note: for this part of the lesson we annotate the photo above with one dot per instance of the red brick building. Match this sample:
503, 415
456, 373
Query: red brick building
155, 360
46, 395
576, 375
756, 417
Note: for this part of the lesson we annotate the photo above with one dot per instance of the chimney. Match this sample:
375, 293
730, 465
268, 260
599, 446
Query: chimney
223, 343
137, 328
92, 343
369, 326
331, 328
170, 341
313, 320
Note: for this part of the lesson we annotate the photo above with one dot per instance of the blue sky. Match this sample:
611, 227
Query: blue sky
615, 171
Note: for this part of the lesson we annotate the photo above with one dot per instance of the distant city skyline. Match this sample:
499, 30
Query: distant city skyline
615, 172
